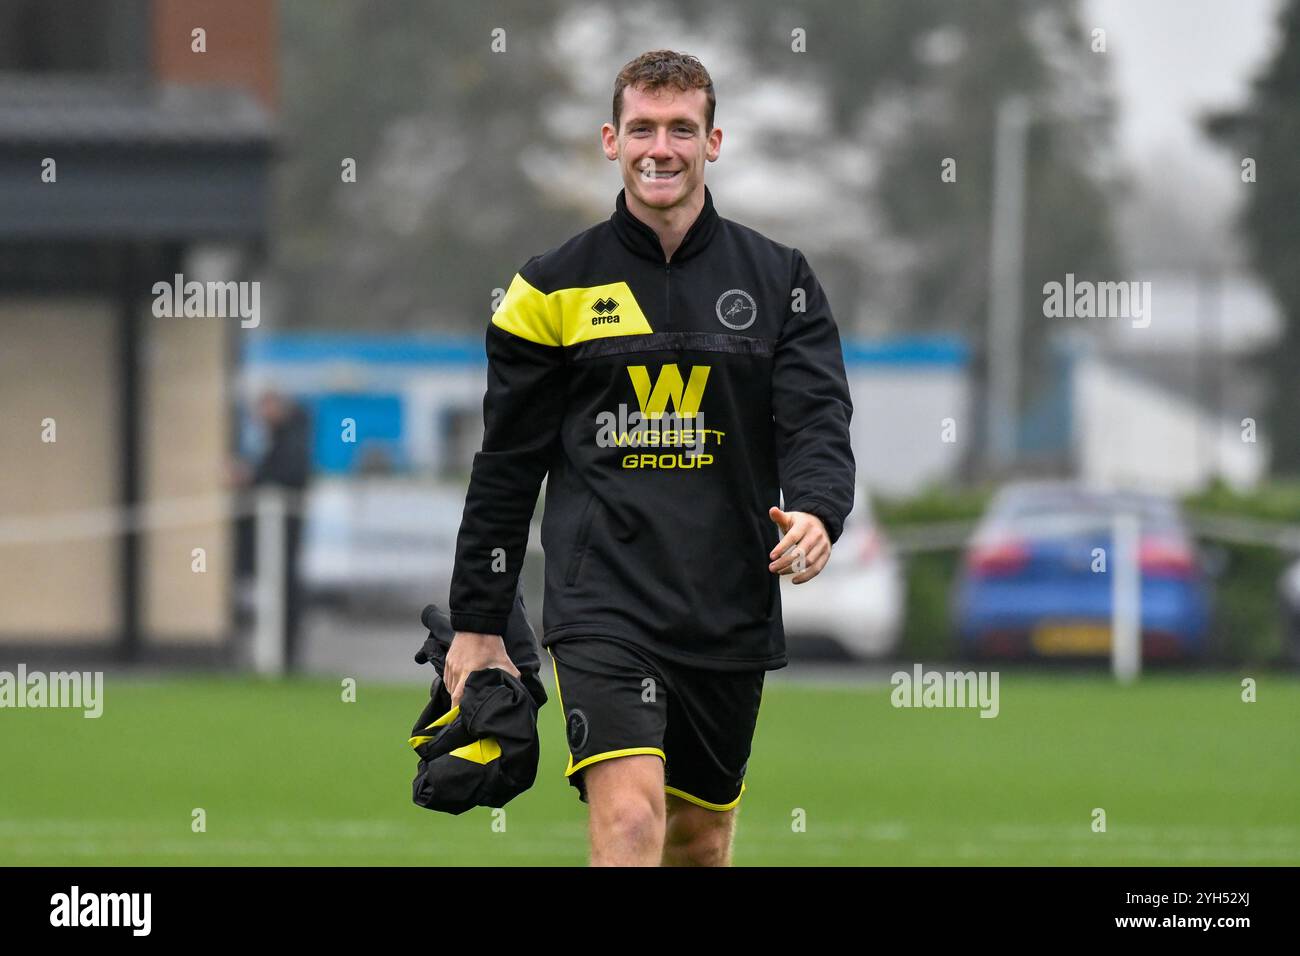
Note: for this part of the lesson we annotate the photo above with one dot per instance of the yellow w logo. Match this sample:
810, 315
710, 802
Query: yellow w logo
685, 395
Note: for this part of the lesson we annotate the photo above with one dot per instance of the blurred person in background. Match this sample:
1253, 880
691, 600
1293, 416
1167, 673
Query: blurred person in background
285, 461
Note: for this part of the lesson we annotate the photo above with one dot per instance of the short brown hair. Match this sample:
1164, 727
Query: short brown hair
660, 68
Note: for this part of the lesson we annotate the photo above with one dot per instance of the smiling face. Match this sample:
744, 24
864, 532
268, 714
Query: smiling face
661, 145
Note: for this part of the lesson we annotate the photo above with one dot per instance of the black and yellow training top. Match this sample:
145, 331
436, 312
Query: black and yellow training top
668, 404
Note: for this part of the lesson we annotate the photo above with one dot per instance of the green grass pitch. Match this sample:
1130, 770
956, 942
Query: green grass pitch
287, 773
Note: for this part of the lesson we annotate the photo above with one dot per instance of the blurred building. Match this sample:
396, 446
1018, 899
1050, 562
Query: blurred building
1168, 406
135, 146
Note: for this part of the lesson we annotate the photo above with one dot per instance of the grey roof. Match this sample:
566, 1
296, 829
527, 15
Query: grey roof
135, 160
98, 110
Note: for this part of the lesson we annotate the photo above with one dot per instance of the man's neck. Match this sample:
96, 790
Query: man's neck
669, 224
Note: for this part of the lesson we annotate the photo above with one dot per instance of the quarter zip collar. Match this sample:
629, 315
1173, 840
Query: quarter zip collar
644, 241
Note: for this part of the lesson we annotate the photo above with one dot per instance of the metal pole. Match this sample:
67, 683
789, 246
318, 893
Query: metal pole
1126, 600
130, 439
268, 632
1006, 274
1203, 408
1213, 314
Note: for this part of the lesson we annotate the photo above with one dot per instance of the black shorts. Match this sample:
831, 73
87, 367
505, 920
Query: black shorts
619, 700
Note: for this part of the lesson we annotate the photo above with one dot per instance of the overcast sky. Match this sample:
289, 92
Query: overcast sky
1173, 58
1170, 61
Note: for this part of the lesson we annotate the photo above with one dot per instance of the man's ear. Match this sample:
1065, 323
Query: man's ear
609, 141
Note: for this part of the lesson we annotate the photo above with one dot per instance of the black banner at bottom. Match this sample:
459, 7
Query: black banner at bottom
330, 905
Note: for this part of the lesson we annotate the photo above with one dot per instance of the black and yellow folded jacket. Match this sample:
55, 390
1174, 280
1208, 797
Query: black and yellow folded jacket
483, 752
668, 405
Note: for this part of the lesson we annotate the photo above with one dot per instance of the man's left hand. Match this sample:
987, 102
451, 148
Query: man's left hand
805, 547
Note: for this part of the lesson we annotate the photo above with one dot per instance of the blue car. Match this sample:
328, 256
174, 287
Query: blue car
1037, 574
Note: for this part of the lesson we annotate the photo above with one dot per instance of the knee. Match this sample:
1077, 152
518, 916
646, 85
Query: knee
630, 823
700, 845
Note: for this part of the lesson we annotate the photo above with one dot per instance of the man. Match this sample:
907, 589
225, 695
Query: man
286, 462
670, 372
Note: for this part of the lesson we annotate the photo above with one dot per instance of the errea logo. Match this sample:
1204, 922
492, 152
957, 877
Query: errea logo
604, 309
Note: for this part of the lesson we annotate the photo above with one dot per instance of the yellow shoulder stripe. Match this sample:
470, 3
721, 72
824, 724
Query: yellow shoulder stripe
525, 312
442, 721
480, 751
570, 316
446, 718
600, 312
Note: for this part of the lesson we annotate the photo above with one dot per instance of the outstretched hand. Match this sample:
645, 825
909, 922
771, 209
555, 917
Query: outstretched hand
804, 548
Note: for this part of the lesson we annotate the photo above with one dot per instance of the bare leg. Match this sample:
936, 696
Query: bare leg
626, 819
697, 836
